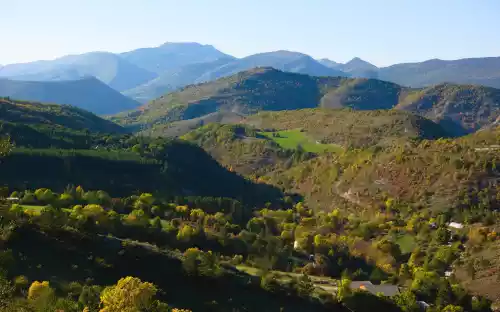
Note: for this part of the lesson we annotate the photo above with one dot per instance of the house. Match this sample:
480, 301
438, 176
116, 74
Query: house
456, 225
296, 245
387, 290
448, 273
13, 199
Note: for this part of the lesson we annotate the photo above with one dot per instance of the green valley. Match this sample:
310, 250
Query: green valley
295, 139
350, 203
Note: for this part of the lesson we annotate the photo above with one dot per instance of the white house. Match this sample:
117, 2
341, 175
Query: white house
296, 245
456, 225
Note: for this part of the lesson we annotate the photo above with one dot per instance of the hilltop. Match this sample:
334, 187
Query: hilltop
355, 68
33, 124
268, 89
460, 109
178, 77
86, 93
70, 117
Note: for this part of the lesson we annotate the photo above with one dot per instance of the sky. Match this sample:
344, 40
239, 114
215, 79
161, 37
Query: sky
383, 32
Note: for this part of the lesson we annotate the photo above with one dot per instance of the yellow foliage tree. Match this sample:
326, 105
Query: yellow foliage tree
5, 147
38, 289
130, 294
40, 293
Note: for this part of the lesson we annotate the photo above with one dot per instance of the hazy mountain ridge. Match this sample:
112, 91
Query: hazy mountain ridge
146, 73
356, 67
107, 67
172, 55
202, 72
481, 71
173, 79
88, 93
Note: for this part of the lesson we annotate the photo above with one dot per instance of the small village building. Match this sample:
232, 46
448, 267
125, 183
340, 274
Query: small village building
456, 225
387, 290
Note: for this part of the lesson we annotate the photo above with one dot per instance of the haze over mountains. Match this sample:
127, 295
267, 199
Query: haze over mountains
88, 93
147, 73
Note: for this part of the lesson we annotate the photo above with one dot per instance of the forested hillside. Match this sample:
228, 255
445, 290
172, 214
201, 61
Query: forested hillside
291, 255
38, 114
459, 109
107, 67
362, 158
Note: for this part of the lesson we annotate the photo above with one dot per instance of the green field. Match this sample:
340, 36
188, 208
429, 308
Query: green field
406, 243
292, 139
322, 284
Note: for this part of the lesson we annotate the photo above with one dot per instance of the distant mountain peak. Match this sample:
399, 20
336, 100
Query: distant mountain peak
360, 64
327, 60
185, 44
282, 53
172, 55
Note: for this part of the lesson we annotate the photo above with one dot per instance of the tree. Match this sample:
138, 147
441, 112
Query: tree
5, 146
190, 261
452, 308
304, 286
17, 210
65, 199
186, 233
147, 199
407, 301
6, 291
44, 195
89, 297
95, 212
41, 294
442, 235
129, 294
197, 215
425, 282
344, 289
209, 264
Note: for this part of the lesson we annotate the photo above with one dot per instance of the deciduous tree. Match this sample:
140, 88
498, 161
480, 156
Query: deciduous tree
130, 294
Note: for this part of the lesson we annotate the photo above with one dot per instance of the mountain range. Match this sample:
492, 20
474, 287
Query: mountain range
460, 109
147, 73
87, 93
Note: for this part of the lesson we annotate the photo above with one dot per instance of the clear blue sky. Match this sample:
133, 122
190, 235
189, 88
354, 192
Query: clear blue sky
381, 31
